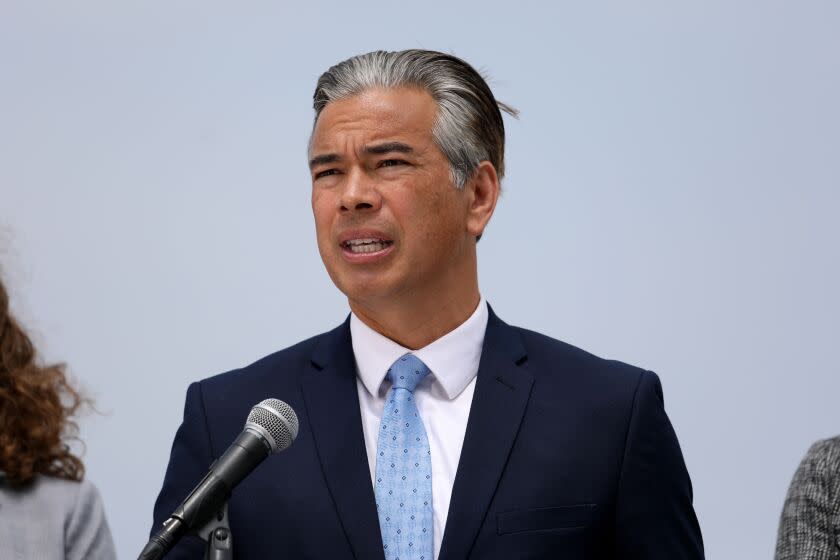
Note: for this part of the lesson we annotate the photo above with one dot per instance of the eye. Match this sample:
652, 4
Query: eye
326, 173
391, 162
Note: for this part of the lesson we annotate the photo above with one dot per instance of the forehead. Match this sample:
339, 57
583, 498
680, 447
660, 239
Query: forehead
375, 114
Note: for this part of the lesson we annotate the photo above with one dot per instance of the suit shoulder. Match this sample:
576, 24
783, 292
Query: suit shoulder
543, 350
287, 363
824, 455
811, 502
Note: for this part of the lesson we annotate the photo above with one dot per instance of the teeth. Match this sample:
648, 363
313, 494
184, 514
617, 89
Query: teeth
366, 245
362, 241
370, 247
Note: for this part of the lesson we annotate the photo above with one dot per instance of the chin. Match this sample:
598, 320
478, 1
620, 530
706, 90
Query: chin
370, 290
364, 291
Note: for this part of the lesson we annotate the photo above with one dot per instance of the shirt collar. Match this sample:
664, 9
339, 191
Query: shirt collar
453, 358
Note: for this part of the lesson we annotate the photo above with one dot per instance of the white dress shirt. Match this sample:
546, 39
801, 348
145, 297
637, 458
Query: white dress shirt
443, 398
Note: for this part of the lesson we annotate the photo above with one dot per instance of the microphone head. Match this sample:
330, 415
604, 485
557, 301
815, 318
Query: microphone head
276, 421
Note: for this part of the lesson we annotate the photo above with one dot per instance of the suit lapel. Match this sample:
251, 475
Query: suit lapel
332, 407
501, 394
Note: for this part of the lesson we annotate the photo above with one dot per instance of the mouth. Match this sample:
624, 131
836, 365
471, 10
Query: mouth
366, 245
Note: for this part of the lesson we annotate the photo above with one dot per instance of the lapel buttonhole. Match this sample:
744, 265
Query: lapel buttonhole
505, 383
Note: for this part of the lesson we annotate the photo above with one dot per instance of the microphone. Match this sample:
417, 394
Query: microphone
272, 426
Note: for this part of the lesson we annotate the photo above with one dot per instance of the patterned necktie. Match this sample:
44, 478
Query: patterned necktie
404, 469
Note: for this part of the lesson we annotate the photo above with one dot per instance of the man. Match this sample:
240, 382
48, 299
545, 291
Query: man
429, 428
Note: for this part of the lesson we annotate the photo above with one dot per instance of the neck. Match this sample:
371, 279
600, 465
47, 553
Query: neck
418, 322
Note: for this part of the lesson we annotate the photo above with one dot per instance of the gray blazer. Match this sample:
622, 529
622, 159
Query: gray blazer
810, 526
53, 519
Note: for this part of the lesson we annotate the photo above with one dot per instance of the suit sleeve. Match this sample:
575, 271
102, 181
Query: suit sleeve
655, 518
806, 529
189, 461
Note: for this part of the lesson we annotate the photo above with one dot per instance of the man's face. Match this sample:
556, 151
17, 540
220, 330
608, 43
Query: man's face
389, 221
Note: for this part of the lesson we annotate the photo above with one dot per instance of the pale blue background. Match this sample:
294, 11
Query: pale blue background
672, 201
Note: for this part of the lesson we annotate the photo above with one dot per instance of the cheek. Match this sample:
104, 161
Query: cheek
436, 222
444, 213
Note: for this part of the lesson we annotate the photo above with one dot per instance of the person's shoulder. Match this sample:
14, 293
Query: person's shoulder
59, 494
572, 382
62, 514
87, 532
286, 364
86, 506
74, 490
824, 455
551, 355
812, 492
88, 495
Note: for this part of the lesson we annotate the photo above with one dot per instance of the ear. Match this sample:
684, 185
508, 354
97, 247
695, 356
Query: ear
482, 194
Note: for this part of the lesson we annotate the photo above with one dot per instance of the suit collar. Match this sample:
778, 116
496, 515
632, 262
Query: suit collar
331, 345
504, 340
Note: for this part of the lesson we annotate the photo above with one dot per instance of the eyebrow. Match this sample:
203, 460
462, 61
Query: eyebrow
389, 147
323, 159
377, 149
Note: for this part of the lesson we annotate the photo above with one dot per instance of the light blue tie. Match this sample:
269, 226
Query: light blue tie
404, 469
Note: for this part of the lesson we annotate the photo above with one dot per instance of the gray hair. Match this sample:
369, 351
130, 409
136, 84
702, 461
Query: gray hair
468, 128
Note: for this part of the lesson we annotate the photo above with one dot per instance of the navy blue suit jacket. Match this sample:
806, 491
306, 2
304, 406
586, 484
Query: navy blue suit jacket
566, 455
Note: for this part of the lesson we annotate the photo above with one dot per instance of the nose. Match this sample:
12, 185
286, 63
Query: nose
359, 194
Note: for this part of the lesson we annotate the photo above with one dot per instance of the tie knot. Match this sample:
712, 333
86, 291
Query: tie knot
407, 372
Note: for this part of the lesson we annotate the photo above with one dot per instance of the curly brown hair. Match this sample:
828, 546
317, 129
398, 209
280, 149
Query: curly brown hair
36, 407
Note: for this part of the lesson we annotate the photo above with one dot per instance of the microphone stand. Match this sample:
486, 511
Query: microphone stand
216, 532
